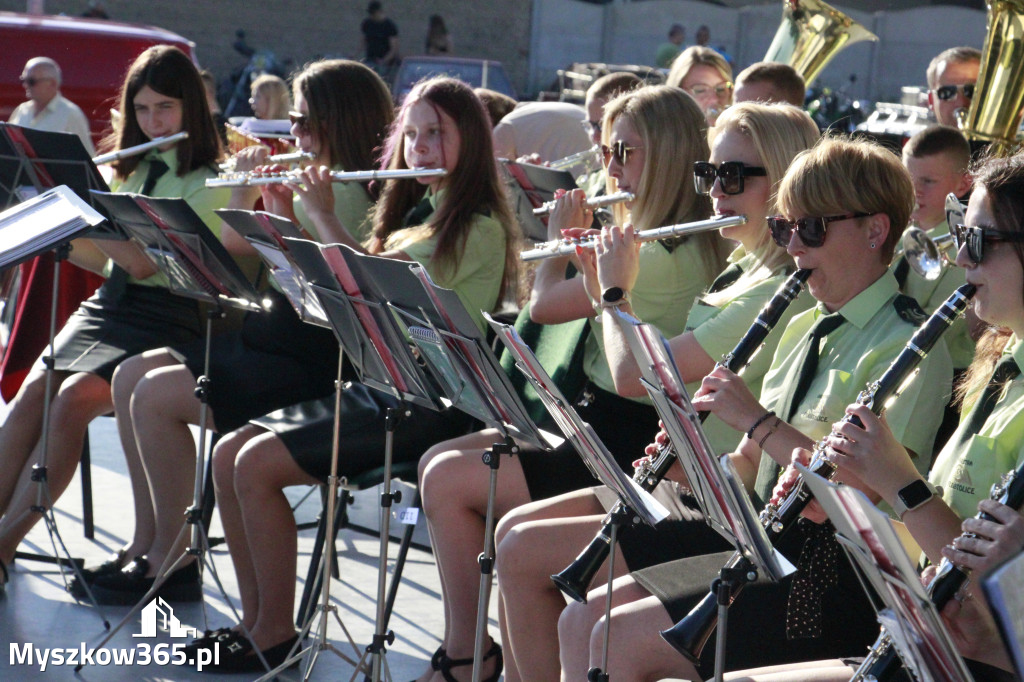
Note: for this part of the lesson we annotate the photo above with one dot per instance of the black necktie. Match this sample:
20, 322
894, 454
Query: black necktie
726, 279
419, 213
901, 271
156, 170
768, 471
1006, 370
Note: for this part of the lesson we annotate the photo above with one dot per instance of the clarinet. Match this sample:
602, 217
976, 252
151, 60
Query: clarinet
689, 635
577, 576
883, 661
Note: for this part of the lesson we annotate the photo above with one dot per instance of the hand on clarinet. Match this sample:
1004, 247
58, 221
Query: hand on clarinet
871, 453
813, 511
724, 394
661, 440
986, 544
969, 622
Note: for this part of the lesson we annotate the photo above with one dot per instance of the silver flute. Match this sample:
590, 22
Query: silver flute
139, 148
252, 179
291, 157
566, 247
597, 202
590, 157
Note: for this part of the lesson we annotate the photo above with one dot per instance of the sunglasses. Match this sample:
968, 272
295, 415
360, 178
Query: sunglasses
947, 92
975, 238
618, 151
810, 230
720, 90
299, 120
32, 81
730, 175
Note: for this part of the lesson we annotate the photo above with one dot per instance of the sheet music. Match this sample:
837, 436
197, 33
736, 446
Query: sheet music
1004, 589
40, 224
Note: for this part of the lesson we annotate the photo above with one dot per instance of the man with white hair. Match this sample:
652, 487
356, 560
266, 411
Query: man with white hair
46, 109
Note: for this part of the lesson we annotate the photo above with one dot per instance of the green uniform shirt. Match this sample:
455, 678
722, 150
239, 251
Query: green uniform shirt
966, 476
718, 330
666, 54
191, 187
477, 280
352, 205
664, 292
856, 353
931, 294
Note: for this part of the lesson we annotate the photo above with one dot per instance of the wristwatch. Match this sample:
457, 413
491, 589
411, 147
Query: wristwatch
914, 495
613, 297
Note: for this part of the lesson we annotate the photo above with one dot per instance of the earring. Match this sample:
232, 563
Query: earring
872, 245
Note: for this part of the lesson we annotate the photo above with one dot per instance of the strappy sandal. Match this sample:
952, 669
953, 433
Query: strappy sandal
435, 660
445, 664
115, 563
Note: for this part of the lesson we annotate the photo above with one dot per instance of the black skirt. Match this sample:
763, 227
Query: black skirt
274, 360
307, 430
624, 426
118, 322
757, 619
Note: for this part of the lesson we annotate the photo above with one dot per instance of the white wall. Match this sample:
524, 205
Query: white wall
566, 31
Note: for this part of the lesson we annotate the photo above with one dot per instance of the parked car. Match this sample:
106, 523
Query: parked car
93, 56
479, 73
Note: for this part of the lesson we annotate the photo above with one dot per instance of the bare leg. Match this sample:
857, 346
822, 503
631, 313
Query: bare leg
537, 540
263, 468
225, 456
126, 377
454, 489
810, 671
21, 431
163, 406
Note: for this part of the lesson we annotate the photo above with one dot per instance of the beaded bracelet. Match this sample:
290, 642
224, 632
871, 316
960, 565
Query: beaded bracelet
763, 418
771, 430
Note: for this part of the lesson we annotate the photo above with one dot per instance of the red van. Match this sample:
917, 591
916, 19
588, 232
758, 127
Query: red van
93, 55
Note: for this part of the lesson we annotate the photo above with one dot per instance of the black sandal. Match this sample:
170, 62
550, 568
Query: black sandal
445, 664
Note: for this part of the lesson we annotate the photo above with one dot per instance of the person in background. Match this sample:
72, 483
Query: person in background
380, 39
706, 76
46, 108
551, 130
439, 41
668, 51
951, 78
600, 92
498, 104
770, 82
269, 98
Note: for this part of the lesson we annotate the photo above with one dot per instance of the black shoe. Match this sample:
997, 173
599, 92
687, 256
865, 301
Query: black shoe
446, 664
226, 639
239, 657
3, 579
112, 565
128, 586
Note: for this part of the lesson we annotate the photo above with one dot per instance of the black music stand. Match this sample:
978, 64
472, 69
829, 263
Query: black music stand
719, 492
197, 266
907, 613
48, 221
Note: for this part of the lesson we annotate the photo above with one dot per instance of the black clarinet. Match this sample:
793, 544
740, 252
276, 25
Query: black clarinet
689, 635
883, 662
577, 576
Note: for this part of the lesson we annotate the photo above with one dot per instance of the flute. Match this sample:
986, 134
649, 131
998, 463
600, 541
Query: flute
566, 247
139, 148
254, 178
597, 202
588, 156
290, 157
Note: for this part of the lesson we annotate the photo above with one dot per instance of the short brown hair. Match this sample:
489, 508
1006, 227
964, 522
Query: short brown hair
787, 85
939, 139
960, 55
498, 104
612, 85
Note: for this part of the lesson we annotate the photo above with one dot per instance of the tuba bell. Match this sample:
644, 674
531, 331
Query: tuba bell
811, 34
994, 113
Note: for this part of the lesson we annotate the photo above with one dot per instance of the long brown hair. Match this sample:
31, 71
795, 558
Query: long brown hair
473, 187
168, 71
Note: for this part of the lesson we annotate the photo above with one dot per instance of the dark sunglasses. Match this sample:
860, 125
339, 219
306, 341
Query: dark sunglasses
810, 230
947, 92
974, 238
32, 81
618, 151
299, 120
730, 175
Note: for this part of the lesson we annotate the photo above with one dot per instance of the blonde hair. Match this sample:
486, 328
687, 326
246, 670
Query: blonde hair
673, 133
696, 55
778, 132
276, 91
841, 174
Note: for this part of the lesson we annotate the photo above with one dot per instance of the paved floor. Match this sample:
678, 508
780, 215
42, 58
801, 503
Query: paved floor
37, 610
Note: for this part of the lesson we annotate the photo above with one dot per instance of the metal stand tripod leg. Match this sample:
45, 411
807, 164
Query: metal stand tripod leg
492, 458
724, 587
44, 502
615, 521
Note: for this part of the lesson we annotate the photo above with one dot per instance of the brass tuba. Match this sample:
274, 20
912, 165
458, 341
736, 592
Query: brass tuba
999, 94
811, 34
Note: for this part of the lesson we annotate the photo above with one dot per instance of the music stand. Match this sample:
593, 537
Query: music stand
716, 487
196, 266
909, 617
49, 221
529, 186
